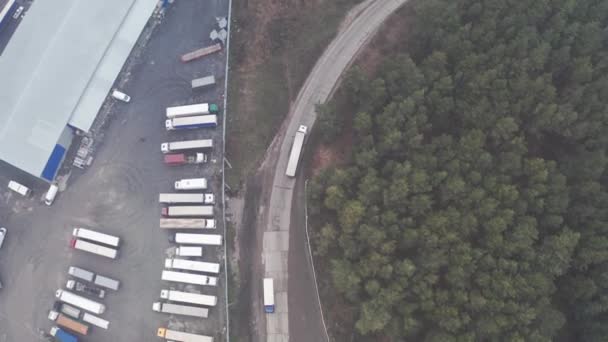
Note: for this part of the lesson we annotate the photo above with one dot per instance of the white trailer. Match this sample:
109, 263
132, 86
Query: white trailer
207, 198
96, 321
107, 282
188, 297
189, 251
198, 239
184, 145
190, 110
94, 248
188, 278
296, 151
191, 184
192, 265
203, 82
81, 273
183, 310
180, 336
185, 223
89, 234
79, 301
188, 211
268, 295
191, 122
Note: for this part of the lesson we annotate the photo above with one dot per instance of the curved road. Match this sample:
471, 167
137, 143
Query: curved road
366, 19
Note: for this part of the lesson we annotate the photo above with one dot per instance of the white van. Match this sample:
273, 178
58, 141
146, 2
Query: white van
119, 95
50, 195
18, 188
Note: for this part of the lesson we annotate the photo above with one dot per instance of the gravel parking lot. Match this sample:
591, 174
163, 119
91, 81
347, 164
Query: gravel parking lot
118, 194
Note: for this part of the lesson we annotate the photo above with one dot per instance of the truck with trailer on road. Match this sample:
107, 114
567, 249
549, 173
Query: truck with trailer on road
187, 211
180, 336
191, 122
198, 239
192, 265
183, 310
296, 151
188, 297
79, 301
192, 110
173, 223
202, 198
268, 295
175, 146
174, 159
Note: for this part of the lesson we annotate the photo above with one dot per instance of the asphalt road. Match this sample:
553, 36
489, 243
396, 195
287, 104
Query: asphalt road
293, 299
118, 194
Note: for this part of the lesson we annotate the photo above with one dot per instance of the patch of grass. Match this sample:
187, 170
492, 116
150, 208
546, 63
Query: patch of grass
264, 80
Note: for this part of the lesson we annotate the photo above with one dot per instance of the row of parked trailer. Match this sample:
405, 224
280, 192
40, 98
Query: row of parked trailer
77, 308
186, 214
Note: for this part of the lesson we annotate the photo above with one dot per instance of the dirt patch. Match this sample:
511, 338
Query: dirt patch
335, 154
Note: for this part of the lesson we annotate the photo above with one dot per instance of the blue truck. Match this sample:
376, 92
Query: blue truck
62, 335
189, 122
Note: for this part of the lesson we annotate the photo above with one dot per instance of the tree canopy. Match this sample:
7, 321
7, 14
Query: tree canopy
475, 207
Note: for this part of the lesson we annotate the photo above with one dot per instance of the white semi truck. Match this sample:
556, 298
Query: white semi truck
296, 151
183, 310
94, 248
198, 239
188, 278
188, 297
191, 184
79, 301
204, 198
192, 265
188, 211
175, 146
89, 234
185, 223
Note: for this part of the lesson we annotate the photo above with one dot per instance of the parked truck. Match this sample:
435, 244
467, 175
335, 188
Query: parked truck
171, 223
183, 310
198, 239
204, 198
174, 146
180, 336
188, 297
296, 151
94, 248
203, 82
189, 251
95, 236
79, 301
86, 289
192, 265
188, 278
187, 211
182, 159
106, 282
66, 309
68, 322
191, 110
190, 56
81, 273
96, 321
191, 184
62, 335
191, 122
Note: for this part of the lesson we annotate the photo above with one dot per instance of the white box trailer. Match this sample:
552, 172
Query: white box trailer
191, 184
190, 110
206, 198
183, 310
94, 248
174, 146
191, 122
192, 265
96, 321
79, 301
189, 251
198, 239
296, 151
188, 278
188, 297
107, 282
188, 211
185, 223
19, 188
81, 273
89, 234
268, 295
180, 336
203, 82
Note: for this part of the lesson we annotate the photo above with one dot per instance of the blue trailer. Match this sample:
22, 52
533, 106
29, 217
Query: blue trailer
190, 122
62, 335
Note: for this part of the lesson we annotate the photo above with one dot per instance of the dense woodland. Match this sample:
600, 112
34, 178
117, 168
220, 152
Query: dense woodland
475, 207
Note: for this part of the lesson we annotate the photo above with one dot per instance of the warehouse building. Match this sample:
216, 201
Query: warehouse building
57, 71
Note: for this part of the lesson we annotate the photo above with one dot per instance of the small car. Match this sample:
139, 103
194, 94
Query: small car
119, 95
2, 235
